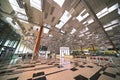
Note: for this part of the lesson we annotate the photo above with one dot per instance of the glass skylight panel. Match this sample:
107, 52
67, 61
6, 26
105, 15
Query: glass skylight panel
80, 17
65, 17
84, 30
73, 31
15, 26
59, 2
16, 7
21, 16
45, 30
91, 20
107, 10
111, 23
36, 4
109, 28
119, 11
23, 21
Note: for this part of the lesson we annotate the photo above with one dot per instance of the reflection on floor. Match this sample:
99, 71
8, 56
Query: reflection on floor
91, 68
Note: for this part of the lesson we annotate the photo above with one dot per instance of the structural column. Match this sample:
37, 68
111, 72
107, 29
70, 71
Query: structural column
37, 44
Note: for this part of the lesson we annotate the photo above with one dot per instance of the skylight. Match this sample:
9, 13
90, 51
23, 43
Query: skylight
22, 16
36, 4
84, 30
107, 10
111, 23
73, 31
59, 2
16, 7
50, 35
65, 17
47, 25
45, 30
80, 17
15, 25
109, 28
62, 31
60, 25
88, 21
81, 35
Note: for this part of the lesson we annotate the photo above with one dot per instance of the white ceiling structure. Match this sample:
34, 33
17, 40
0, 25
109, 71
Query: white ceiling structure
72, 23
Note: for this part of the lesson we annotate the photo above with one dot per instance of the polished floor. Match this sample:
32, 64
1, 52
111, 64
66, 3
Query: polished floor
90, 68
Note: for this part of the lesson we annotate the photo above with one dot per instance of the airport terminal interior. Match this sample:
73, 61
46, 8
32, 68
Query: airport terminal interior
59, 39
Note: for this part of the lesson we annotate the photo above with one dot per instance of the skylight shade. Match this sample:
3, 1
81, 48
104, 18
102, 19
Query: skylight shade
84, 30
36, 4
59, 2
15, 26
73, 31
65, 17
16, 7
111, 23
60, 25
21, 16
45, 30
109, 28
80, 17
107, 10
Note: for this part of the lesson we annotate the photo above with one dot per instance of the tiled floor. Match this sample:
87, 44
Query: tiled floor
65, 69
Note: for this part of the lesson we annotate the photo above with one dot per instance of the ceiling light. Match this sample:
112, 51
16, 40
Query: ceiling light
36, 4
91, 20
60, 25
60, 2
45, 30
109, 28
